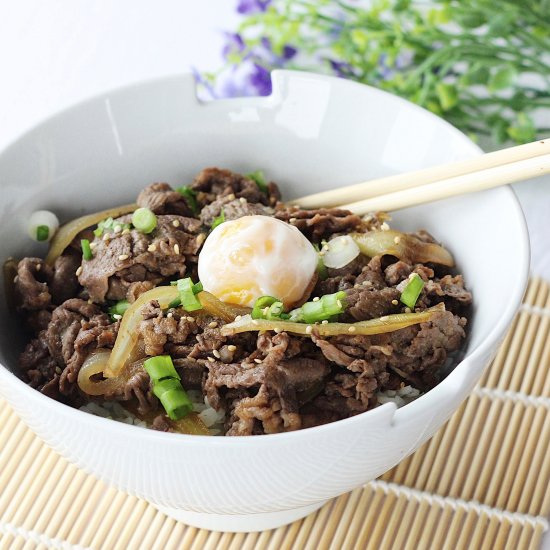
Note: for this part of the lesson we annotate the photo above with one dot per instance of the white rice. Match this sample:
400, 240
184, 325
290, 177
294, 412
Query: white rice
400, 397
113, 410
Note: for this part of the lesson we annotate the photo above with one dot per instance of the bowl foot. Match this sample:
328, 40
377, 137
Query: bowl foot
240, 523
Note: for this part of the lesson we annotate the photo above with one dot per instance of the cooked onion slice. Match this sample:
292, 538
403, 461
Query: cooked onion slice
388, 323
128, 335
93, 365
408, 248
220, 309
339, 252
127, 338
65, 235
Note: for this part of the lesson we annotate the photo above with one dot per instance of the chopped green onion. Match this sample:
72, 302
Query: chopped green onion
144, 220
119, 308
219, 220
190, 197
197, 287
412, 290
86, 250
102, 226
261, 304
160, 367
167, 386
276, 311
259, 178
42, 233
42, 225
321, 268
323, 309
188, 300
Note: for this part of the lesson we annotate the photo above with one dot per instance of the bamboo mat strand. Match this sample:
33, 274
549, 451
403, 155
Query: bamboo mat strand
481, 482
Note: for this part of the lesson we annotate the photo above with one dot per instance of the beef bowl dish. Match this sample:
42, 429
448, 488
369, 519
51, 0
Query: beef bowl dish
215, 308
295, 354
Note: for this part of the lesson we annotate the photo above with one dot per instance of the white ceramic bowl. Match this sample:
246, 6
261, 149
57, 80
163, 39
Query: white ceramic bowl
312, 133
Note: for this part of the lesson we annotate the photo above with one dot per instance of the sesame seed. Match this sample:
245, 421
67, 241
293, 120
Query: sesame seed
238, 318
351, 329
38, 267
291, 220
231, 347
123, 257
211, 359
316, 299
190, 319
325, 322
384, 318
176, 248
78, 271
16, 278
309, 329
259, 361
169, 315
384, 227
90, 301
58, 370
176, 223
213, 324
117, 229
356, 286
322, 253
231, 196
408, 310
106, 237
394, 302
216, 354
243, 200
126, 231
277, 330
117, 316
201, 238
93, 245
152, 248
397, 240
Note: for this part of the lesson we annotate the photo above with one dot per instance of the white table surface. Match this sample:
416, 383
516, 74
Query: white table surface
54, 53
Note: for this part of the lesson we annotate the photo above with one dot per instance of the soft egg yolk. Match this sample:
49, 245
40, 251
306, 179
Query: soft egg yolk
255, 256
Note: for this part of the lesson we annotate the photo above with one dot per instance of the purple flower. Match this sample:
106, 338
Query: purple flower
234, 44
260, 79
247, 7
288, 52
341, 69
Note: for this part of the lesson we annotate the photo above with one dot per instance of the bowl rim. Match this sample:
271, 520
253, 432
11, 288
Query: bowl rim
279, 77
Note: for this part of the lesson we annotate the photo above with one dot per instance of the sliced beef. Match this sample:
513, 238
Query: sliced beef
449, 286
31, 284
322, 223
64, 282
368, 303
162, 199
273, 376
159, 327
76, 328
213, 183
132, 256
233, 209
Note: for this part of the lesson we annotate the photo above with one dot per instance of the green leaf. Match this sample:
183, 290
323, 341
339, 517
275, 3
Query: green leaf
447, 95
502, 78
360, 38
477, 74
523, 130
471, 20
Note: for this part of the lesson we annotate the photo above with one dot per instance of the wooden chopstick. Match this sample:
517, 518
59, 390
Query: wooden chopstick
393, 184
459, 185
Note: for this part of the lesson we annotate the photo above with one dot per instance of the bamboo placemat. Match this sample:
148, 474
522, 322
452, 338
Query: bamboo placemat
481, 482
